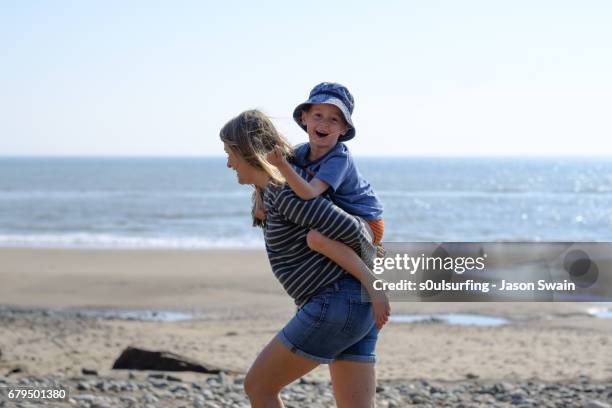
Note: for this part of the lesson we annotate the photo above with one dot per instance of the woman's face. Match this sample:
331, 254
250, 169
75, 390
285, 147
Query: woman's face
243, 170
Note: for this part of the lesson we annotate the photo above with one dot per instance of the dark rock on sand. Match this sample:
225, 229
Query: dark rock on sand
15, 370
134, 358
157, 376
87, 371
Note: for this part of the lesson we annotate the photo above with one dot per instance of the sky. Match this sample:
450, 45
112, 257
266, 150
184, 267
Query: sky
447, 78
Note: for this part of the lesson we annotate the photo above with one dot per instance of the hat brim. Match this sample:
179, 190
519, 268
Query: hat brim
320, 99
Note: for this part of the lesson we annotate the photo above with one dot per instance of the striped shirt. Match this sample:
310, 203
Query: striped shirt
300, 270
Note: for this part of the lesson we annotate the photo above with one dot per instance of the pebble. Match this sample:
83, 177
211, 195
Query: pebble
226, 390
597, 404
88, 371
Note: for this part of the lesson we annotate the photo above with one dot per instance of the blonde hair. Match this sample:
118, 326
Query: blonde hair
252, 135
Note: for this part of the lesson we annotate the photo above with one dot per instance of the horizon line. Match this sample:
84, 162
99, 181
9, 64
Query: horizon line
366, 156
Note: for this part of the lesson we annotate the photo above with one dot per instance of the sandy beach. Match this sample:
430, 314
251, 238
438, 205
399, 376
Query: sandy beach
240, 307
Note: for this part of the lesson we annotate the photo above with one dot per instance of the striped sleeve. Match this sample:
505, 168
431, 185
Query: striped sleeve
321, 215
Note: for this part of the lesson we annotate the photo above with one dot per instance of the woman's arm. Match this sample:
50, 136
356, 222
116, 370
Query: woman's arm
321, 215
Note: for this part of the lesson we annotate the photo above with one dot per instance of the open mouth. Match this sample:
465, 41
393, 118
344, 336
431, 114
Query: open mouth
321, 134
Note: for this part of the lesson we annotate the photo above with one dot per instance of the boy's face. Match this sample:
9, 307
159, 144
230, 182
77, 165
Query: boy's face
324, 124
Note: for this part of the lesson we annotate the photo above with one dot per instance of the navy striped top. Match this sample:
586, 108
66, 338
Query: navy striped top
300, 270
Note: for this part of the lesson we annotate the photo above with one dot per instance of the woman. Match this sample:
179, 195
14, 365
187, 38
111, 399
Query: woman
333, 325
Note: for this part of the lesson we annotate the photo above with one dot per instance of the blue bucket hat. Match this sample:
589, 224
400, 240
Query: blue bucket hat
333, 94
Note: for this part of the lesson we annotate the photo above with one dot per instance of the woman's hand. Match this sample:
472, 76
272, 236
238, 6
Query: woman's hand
260, 214
380, 307
275, 157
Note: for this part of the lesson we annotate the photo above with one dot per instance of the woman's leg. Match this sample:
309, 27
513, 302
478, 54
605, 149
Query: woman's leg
354, 384
275, 367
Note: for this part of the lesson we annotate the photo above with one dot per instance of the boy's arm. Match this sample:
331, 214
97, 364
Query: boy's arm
304, 189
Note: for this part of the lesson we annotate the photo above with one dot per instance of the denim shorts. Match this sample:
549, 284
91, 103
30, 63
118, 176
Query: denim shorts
335, 324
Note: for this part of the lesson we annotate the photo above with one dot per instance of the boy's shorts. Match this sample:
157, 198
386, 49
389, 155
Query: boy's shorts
378, 230
335, 324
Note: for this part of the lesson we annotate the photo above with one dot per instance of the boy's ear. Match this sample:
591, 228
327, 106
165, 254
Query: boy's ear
303, 117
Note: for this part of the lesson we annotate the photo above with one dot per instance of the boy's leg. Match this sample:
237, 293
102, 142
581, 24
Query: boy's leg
341, 237
348, 260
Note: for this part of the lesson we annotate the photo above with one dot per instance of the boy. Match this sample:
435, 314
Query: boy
326, 118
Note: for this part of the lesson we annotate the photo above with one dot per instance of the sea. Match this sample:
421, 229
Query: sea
196, 203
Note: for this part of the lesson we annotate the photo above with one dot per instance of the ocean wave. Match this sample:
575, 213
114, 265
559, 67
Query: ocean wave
108, 241
490, 193
8, 195
65, 195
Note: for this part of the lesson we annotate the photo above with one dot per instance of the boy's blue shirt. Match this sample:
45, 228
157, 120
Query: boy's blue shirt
347, 188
